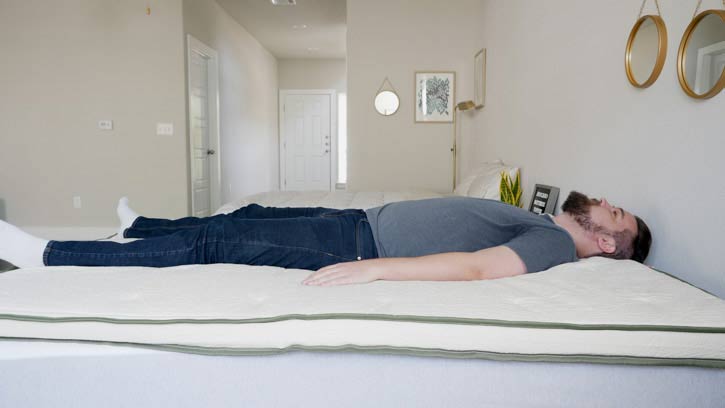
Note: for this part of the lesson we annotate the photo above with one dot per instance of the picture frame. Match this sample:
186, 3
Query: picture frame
479, 78
435, 95
544, 198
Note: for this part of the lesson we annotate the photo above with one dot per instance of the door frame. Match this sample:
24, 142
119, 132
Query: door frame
283, 93
704, 58
194, 45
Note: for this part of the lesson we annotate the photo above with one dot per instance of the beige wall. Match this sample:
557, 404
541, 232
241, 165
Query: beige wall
313, 74
395, 39
248, 100
560, 105
65, 66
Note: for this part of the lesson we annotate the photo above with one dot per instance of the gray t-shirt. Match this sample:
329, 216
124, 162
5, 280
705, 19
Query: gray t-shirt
463, 224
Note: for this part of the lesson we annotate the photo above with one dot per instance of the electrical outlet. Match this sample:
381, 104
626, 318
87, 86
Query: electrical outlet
105, 124
77, 202
165, 129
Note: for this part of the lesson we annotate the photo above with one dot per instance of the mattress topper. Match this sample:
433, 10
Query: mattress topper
593, 310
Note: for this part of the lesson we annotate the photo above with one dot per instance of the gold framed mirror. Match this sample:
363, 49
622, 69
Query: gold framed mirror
646, 49
701, 56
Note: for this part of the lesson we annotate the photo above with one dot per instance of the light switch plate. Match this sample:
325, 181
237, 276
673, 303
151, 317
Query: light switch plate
165, 129
105, 124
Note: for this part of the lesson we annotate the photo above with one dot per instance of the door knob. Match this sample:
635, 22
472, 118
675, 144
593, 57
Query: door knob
210, 152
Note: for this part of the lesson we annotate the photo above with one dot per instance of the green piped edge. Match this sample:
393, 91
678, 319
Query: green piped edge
684, 281
407, 351
379, 317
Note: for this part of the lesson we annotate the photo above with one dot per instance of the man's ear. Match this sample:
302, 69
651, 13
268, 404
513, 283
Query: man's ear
606, 243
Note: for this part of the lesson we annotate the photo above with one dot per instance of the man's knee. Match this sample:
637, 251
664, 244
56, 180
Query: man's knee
246, 211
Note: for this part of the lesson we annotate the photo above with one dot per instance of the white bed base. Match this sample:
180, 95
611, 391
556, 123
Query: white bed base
58, 375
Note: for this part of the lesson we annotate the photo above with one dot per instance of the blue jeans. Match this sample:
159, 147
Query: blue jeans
305, 238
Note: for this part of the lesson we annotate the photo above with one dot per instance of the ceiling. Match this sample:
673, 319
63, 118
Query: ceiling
310, 29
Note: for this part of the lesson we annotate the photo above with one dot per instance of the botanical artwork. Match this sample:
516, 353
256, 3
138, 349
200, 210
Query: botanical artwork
434, 94
437, 90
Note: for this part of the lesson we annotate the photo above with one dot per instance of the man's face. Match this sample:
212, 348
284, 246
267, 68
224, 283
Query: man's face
598, 215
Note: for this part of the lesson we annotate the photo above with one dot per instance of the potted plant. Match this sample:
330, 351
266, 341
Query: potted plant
511, 189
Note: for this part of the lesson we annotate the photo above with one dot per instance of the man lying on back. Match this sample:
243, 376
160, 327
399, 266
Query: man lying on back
452, 238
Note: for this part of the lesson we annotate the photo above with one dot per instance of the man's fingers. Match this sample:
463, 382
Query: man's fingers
319, 276
323, 279
320, 280
322, 272
340, 280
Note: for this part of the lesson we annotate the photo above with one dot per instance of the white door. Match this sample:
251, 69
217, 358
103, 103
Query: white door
203, 125
307, 141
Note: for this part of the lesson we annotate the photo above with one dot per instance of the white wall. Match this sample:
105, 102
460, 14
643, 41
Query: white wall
65, 66
394, 39
313, 74
560, 105
248, 100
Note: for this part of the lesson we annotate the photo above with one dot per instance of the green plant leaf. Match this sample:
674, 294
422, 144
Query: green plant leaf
507, 189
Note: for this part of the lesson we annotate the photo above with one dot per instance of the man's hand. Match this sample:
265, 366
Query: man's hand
344, 273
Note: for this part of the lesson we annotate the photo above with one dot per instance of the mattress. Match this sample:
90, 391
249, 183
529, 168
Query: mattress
327, 199
595, 311
79, 375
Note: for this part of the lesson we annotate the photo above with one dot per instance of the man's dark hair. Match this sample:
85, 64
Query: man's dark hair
641, 242
630, 246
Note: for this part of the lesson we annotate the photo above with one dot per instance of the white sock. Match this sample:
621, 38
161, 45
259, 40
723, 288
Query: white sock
20, 248
125, 214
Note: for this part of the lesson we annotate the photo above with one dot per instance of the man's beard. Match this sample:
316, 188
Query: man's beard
578, 206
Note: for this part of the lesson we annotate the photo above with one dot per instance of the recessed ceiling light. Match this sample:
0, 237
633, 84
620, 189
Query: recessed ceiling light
312, 49
283, 2
299, 26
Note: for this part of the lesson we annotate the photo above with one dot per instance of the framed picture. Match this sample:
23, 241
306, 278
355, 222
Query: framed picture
479, 79
544, 199
435, 93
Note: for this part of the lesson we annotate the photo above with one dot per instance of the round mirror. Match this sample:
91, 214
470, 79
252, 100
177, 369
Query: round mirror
701, 58
386, 103
646, 51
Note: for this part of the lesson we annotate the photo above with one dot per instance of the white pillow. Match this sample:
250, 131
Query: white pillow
485, 181
465, 184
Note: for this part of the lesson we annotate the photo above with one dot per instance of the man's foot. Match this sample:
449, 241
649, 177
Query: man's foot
20, 248
125, 215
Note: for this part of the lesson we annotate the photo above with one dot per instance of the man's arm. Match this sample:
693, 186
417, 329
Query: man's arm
491, 263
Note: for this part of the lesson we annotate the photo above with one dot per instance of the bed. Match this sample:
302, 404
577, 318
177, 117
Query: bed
599, 333
595, 333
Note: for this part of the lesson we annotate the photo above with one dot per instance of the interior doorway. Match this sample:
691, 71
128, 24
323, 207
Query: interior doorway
203, 125
308, 139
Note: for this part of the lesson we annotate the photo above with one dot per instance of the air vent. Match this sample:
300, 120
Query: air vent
283, 2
